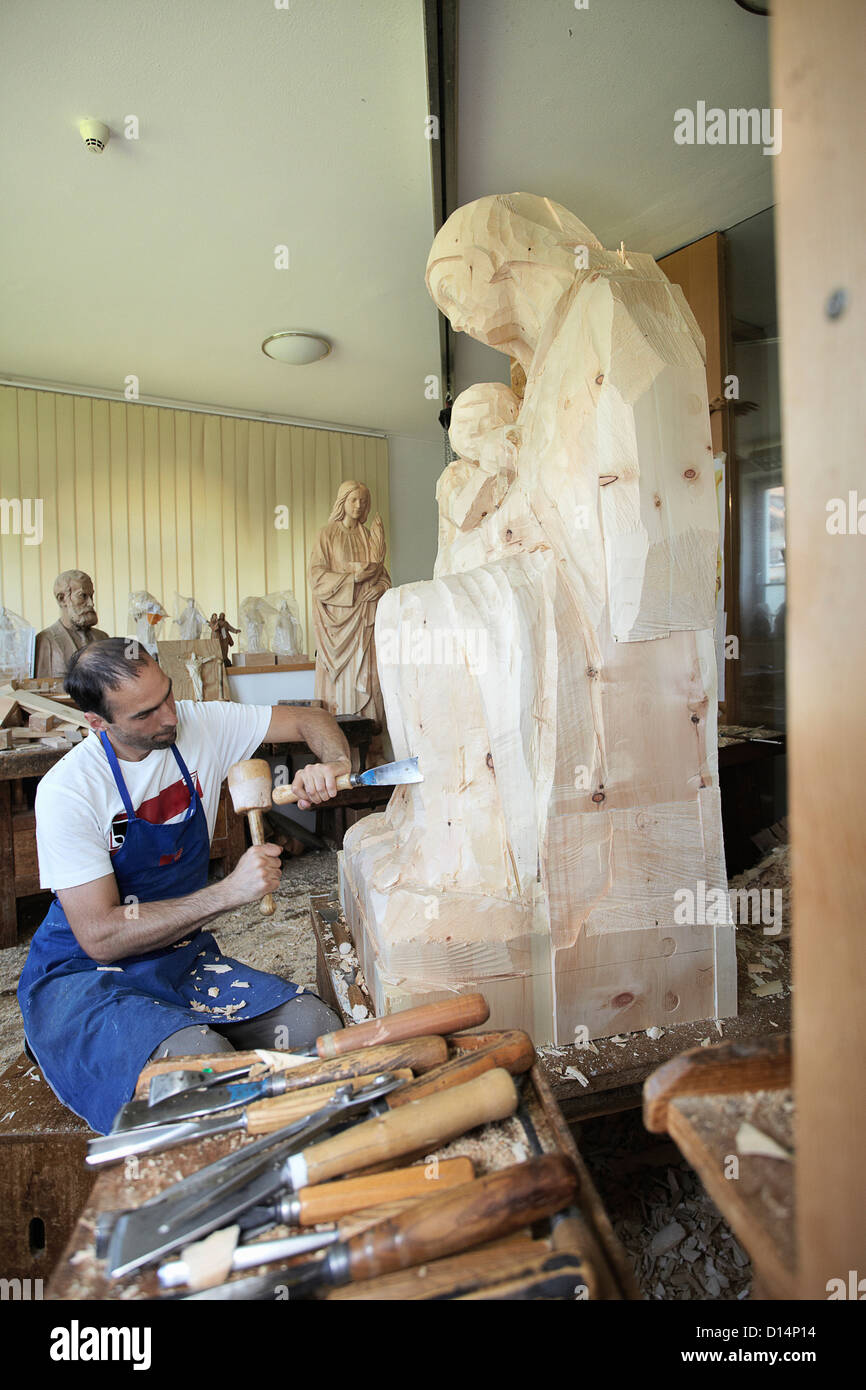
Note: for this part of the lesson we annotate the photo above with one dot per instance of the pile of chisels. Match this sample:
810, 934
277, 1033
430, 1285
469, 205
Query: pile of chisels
335, 1190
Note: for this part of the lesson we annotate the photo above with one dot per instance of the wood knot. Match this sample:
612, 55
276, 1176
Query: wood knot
508, 534
696, 719
599, 379
489, 761
622, 1001
598, 797
657, 500
607, 478
591, 671
690, 473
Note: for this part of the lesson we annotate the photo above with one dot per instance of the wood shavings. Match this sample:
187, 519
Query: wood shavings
280, 1061
578, 1075
667, 1238
753, 1141
359, 1012
218, 969
229, 1009
771, 987
705, 1042
718, 1023
199, 1007
345, 948
214, 992
242, 984
655, 1033
117, 968
177, 945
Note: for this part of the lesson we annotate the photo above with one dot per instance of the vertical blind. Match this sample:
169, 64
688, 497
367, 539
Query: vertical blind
171, 501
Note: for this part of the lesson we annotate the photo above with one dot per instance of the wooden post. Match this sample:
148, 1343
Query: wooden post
818, 83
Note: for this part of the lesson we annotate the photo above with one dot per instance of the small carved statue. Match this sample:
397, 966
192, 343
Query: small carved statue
348, 577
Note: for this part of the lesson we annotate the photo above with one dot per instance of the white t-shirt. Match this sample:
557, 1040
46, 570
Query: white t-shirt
80, 817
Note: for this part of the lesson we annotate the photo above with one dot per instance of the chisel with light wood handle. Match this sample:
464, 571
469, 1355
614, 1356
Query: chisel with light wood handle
425, 1123
445, 1016
431, 1229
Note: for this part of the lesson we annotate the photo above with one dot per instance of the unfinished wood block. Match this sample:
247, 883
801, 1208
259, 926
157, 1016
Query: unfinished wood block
6, 740
557, 678
10, 711
44, 723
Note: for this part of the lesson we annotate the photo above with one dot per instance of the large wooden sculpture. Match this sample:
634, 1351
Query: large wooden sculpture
560, 693
348, 577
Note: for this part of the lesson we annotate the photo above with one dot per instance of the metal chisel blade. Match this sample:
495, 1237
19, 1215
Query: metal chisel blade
390, 774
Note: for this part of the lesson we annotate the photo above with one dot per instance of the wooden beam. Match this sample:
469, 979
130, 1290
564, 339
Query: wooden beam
818, 85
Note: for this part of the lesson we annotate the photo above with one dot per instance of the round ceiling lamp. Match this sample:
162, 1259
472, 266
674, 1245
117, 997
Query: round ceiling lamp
294, 348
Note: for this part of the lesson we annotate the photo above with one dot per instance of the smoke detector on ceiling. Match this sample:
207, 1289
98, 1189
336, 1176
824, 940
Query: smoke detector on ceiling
95, 135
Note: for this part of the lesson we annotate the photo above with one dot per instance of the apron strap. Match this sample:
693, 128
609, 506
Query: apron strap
117, 775
121, 785
187, 778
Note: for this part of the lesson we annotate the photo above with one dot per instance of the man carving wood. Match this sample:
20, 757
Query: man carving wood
121, 970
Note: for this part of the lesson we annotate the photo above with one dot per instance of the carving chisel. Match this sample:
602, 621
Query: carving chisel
478, 1212
417, 1054
142, 1236
387, 775
260, 1117
211, 1261
329, 1201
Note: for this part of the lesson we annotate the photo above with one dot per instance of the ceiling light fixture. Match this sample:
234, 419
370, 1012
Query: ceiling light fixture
295, 349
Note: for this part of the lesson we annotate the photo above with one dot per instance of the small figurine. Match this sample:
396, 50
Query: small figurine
222, 629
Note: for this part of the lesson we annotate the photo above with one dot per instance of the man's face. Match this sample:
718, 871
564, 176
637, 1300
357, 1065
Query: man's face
143, 714
78, 604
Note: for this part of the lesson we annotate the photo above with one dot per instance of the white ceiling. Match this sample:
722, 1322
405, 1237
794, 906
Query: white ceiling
259, 126
305, 126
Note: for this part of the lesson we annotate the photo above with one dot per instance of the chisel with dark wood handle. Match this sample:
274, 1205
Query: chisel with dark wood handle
513, 1259
431, 1229
513, 1051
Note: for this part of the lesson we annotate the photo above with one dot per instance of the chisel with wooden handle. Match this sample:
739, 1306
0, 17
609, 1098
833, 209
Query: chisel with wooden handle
211, 1260
258, 1118
415, 1054
518, 1259
141, 1237
512, 1050
312, 1206
431, 1229
386, 775
444, 1016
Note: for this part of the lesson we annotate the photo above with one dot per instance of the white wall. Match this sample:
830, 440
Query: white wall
415, 465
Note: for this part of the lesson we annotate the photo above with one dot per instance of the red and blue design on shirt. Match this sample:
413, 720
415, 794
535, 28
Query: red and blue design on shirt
167, 805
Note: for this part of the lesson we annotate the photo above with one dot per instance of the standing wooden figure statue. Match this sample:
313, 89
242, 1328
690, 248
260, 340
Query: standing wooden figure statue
348, 577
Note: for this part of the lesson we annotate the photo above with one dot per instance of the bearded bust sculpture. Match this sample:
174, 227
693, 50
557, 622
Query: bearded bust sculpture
74, 629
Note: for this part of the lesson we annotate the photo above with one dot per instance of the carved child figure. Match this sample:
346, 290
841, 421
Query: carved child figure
484, 436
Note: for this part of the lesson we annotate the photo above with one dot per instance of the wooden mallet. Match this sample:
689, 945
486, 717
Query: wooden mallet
250, 787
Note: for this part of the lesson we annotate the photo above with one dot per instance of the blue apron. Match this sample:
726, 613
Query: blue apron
92, 1029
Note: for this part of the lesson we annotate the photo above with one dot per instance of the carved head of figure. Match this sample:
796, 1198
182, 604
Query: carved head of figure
498, 266
73, 590
352, 504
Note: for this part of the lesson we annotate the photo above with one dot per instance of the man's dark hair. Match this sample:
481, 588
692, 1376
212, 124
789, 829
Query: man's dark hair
100, 667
